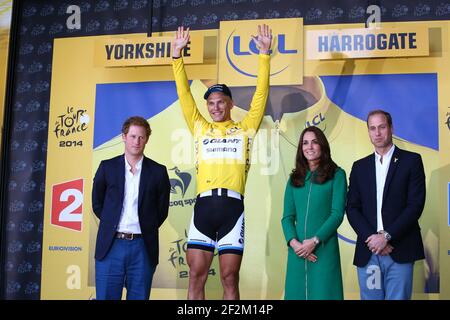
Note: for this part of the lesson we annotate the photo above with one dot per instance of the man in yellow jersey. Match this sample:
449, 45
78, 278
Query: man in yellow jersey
222, 150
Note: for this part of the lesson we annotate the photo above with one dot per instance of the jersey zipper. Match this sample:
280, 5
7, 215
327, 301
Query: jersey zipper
306, 222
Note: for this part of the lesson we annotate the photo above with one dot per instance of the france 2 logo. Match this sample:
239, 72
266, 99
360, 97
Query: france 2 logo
67, 204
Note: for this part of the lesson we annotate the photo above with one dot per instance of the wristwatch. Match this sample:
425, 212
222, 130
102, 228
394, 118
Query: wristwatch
316, 240
387, 236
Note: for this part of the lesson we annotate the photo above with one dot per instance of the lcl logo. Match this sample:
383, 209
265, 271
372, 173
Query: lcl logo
241, 47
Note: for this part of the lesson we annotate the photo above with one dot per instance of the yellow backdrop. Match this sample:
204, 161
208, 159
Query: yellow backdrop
67, 266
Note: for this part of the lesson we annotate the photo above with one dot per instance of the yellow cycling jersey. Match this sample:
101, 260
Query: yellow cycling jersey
223, 149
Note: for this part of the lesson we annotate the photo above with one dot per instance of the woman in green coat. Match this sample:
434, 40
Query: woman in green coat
314, 202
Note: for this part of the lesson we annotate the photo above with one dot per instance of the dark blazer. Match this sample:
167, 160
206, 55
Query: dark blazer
403, 202
107, 200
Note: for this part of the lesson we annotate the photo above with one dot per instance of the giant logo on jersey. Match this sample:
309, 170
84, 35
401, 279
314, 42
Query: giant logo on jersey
238, 64
222, 148
67, 205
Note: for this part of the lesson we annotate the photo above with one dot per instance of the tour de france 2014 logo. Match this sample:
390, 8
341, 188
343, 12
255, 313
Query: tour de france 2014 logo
177, 257
69, 124
179, 186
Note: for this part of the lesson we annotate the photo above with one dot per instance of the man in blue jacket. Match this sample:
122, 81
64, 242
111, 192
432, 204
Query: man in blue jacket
384, 203
130, 196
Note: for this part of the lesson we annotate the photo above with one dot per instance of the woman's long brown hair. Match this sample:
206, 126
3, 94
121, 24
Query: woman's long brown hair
327, 167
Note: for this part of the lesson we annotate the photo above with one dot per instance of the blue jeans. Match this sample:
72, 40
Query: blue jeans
384, 279
126, 265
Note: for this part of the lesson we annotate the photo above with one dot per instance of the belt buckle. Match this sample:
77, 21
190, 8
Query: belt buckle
126, 236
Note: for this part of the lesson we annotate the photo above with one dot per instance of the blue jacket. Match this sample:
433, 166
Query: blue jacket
107, 200
403, 202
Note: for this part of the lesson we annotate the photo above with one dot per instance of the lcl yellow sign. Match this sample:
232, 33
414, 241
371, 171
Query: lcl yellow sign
237, 62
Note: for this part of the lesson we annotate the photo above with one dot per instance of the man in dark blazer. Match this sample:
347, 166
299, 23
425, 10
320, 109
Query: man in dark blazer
384, 203
130, 196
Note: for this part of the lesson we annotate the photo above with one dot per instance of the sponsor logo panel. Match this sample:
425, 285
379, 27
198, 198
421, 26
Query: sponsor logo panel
67, 205
238, 65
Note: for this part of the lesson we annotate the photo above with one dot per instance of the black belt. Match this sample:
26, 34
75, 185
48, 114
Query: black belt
128, 236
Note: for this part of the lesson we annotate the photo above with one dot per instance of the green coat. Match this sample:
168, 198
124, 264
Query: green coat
315, 210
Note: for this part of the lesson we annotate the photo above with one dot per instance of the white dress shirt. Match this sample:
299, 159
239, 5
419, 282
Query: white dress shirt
381, 169
129, 218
